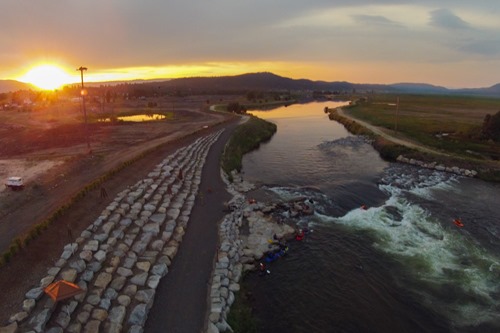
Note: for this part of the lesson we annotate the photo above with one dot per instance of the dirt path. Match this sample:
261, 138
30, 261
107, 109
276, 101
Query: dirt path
381, 132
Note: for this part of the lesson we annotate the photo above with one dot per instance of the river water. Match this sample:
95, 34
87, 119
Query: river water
401, 265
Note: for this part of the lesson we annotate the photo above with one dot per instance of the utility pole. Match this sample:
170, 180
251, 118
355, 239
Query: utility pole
83, 92
397, 116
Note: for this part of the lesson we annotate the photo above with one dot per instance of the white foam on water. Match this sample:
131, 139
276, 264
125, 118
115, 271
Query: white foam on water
286, 193
290, 193
433, 254
354, 141
438, 255
427, 190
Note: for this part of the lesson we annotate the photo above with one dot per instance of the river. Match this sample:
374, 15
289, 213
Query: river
400, 265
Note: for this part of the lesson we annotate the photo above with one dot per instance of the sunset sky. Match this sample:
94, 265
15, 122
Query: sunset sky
454, 43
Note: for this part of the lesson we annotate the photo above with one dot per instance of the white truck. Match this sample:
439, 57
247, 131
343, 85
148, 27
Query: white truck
15, 183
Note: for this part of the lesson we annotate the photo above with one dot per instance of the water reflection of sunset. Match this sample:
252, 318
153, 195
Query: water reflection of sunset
288, 112
139, 118
293, 111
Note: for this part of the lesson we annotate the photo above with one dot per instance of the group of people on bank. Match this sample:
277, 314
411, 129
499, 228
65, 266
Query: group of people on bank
281, 251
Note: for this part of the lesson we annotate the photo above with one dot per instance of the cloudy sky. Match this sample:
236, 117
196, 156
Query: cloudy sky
454, 43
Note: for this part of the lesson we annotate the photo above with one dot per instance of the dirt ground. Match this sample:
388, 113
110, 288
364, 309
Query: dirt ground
52, 156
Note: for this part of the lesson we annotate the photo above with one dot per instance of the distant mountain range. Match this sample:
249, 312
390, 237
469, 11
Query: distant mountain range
269, 81
13, 85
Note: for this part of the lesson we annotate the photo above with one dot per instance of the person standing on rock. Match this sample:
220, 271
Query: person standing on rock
70, 233
262, 269
103, 194
202, 198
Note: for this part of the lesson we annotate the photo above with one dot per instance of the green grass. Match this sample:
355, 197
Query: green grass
266, 105
421, 118
245, 138
263, 105
240, 317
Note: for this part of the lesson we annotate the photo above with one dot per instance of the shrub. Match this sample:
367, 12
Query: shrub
18, 243
241, 318
491, 127
6, 257
389, 151
246, 137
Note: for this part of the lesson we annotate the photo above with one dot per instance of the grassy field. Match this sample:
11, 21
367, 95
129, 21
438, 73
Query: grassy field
256, 105
450, 124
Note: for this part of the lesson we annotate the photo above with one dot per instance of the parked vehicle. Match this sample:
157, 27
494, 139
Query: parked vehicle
15, 183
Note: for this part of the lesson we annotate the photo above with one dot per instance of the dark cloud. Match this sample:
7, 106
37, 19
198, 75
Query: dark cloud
483, 46
444, 18
464, 37
374, 20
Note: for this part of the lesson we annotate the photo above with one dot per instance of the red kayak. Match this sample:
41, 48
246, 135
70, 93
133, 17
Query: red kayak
458, 223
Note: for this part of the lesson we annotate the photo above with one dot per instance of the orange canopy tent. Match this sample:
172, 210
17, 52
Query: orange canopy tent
62, 289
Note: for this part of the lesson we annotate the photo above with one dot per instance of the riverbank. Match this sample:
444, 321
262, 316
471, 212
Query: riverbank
253, 233
360, 266
245, 139
395, 149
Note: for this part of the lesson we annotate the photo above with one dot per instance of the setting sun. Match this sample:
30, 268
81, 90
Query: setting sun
46, 77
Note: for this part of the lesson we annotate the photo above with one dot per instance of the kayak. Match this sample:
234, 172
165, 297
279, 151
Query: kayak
300, 236
458, 223
272, 257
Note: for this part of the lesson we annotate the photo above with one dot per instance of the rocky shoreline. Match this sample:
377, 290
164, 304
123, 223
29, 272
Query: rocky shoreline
119, 259
437, 166
245, 236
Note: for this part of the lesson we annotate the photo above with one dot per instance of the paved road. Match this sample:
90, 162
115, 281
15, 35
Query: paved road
181, 299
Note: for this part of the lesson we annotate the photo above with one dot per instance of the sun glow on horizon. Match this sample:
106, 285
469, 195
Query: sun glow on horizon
52, 76
47, 77
175, 71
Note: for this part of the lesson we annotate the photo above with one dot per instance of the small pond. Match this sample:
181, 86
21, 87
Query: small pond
137, 118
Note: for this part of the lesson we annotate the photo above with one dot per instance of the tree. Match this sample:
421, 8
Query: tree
108, 96
491, 127
236, 108
3, 96
251, 95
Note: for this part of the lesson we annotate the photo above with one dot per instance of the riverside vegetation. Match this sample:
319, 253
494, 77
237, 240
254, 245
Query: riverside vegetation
246, 138
451, 125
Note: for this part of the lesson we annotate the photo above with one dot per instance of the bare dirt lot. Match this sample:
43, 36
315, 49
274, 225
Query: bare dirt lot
48, 148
